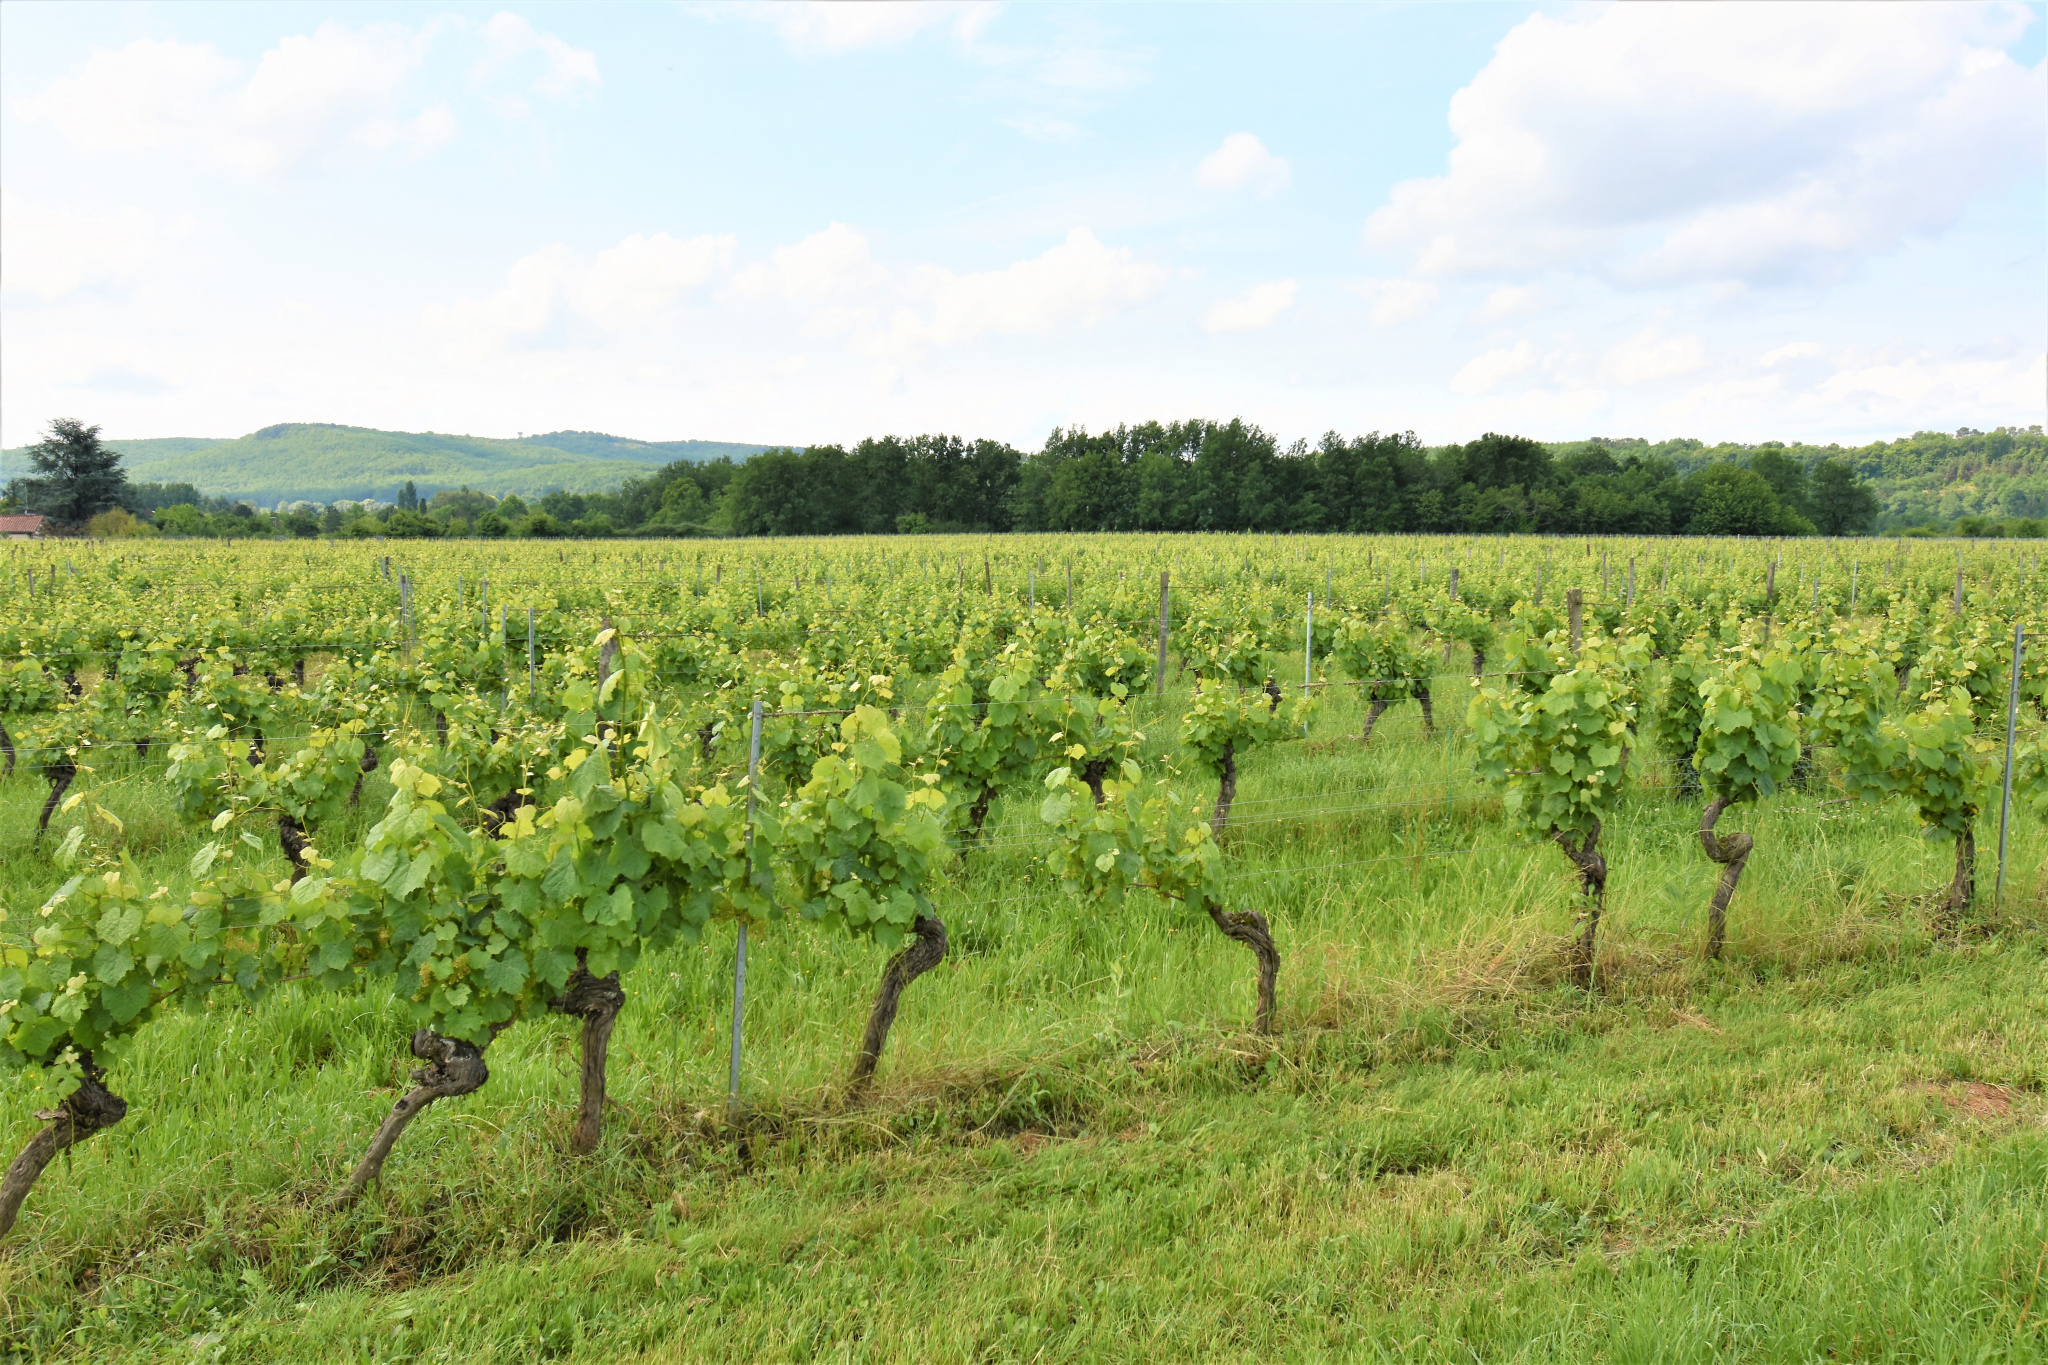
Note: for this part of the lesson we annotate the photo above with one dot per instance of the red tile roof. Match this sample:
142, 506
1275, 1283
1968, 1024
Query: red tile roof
19, 526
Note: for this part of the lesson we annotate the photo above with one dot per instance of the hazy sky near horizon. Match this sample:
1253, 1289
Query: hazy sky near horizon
804, 223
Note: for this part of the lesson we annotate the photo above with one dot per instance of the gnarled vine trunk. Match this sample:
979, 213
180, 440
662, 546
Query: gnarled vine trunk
291, 837
368, 766
453, 1067
299, 672
1372, 718
1421, 688
1731, 850
1478, 663
7, 748
85, 1111
1249, 927
917, 957
978, 813
1226, 789
596, 1000
1092, 772
1963, 890
1593, 885
441, 727
501, 810
256, 752
59, 774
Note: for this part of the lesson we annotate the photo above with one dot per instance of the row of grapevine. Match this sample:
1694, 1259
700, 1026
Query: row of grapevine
557, 810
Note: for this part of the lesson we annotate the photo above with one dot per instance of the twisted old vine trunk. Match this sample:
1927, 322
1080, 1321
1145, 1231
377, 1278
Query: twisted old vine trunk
59, 774
1963, 889
453, 1067
85, 1111
1092, 772
978, 812
1226, 789
1593, 884
596, 1001
1372, 718
368, 766
1422, 695
7, 748
291, 837
917, 957
1478, 663
499, 811
1732, 851
1249, 927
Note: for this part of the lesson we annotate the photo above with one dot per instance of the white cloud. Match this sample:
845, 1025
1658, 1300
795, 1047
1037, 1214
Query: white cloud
1760, 143
1254, 310
1511, 301
827, 26
1243, 163
1651, 355
834, 261
1924, 387
554, 294
337, 92
1395, 302
1798, 350
566, 73
49, 252
1487, 370
1555, 413
1077, 283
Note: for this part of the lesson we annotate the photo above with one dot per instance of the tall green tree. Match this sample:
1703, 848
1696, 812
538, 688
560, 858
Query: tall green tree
75, 476
1786, 476
1843, 505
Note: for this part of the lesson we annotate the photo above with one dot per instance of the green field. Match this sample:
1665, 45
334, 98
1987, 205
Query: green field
1830, 1145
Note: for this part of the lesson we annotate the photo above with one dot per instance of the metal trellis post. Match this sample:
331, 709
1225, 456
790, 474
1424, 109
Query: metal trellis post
2012, 720
739, 961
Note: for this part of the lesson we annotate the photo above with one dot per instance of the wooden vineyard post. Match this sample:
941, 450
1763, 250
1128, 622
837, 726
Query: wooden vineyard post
739, 961
1631, 582
1957, 609
532, 674
1575, 604
1165, 590
2012, 721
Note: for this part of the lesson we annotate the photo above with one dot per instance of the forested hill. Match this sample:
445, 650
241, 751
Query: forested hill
1928, 477
322, 462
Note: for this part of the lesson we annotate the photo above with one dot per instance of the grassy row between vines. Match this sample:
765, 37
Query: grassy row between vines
1834, 1142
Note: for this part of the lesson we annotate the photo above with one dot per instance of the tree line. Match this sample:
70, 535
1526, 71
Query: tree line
1155, 476
1233, 476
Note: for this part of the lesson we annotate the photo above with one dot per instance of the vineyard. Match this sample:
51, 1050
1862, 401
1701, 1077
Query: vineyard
979, 948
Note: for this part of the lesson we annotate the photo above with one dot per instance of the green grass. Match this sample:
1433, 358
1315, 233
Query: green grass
1076, 1152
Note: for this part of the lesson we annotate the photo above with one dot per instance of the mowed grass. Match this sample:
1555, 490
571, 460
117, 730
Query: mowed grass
1831, 1145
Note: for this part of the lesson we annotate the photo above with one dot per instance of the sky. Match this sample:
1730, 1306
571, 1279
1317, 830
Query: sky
805, 223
